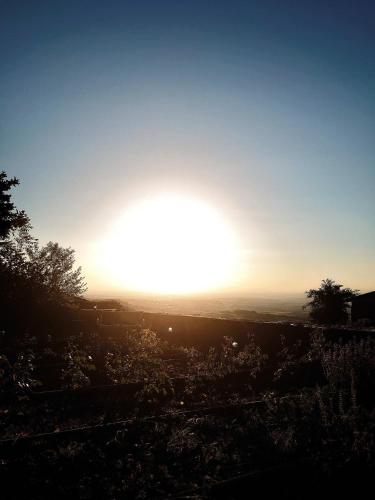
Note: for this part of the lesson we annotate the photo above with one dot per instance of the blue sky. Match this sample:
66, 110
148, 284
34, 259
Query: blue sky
266, 109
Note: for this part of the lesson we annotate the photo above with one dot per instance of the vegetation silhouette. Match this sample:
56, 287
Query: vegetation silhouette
330, 303
36, 282
10, 217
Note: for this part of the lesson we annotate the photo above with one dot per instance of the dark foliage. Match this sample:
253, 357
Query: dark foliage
329, 303
10, 217
35, 281
172, 443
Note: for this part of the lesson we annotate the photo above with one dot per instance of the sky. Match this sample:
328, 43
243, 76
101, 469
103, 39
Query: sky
265, 109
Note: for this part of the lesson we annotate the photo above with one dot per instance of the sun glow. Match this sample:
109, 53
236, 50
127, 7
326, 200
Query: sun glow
170, 244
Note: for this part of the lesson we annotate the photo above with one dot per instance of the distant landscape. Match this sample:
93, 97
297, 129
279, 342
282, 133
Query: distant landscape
256, 308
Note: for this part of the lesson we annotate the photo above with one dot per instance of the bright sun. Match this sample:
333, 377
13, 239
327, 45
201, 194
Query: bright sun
170, 244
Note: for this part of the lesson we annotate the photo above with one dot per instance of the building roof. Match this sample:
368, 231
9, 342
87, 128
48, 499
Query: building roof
369, 295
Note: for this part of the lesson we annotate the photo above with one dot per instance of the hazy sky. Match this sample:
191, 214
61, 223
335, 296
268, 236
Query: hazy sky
266, 109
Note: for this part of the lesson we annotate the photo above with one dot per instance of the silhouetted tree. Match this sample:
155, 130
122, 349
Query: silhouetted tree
329, 304
10, 217
49, 269
34, 280
53, 267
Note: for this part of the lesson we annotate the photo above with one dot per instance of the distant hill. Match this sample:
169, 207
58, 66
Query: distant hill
102, 304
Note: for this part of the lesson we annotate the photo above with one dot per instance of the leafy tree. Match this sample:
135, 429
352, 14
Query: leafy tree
22, 259
330, 302
43, 273
34, 279
10, 217
52, 267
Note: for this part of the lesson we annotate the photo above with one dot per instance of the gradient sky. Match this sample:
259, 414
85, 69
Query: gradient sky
266, 109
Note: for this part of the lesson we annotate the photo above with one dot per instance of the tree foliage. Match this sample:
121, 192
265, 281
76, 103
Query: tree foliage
53, 267
31, 275
329, 303
10, 217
